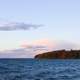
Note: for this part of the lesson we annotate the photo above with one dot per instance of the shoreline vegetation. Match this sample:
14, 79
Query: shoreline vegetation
59, 54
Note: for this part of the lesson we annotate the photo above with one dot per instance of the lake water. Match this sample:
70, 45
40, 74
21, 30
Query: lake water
33, 69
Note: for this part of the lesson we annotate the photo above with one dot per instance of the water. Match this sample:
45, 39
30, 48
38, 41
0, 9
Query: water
33, 69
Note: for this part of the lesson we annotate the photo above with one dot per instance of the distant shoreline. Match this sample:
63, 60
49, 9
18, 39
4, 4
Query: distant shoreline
59, 54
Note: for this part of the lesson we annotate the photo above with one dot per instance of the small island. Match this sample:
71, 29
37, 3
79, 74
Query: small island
60, 54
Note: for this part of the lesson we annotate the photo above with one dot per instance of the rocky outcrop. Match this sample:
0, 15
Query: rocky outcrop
60, 54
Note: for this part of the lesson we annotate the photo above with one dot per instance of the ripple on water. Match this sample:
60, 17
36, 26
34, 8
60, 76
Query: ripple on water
31, 69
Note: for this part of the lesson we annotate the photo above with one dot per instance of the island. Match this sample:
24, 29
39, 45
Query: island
59, 54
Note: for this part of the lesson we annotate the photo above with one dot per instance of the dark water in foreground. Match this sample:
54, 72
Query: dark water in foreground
32, 69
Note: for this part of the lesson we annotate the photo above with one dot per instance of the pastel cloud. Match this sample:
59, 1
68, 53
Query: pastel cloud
29, 50
43, 44
51, 45
10, 26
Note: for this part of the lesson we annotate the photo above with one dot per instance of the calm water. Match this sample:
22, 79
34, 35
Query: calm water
32, 69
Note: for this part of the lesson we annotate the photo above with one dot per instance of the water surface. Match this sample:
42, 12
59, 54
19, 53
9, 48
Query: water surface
33, 69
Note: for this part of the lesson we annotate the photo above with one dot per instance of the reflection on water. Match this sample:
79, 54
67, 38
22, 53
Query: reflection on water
33, 69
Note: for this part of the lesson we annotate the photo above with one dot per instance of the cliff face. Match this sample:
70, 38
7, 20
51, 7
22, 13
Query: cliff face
60, 54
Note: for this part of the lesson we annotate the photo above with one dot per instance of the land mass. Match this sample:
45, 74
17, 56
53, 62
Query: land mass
60, 54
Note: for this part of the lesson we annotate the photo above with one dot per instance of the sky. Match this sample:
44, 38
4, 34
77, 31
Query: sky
53, 24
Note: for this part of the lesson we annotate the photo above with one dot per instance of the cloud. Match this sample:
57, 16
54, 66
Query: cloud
39, 46
50, 45
16, 53
36, 47
17, 26
27, 52
42, 44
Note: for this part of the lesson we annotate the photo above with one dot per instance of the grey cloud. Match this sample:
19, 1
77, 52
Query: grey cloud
35, 46
17, 26
28, 52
